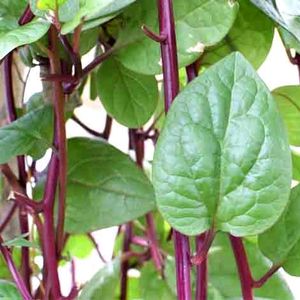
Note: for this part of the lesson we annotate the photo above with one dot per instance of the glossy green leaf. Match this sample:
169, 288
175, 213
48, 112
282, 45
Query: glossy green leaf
153, 286
29, 33
205, 21
129, 97
278, 242
285, 13
252, 39
12, 9
105, 188
30, 134
223, 274
103, 283
222, 160
94, 9
78, 245
288, 102
8, 291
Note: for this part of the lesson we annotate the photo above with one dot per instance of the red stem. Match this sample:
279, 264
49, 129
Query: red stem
27, 16
260, 282
12, 116
171, 89
243, 267
125, 263
201, 276
48, 228
14, 272
92, 239
60, 130
182, 257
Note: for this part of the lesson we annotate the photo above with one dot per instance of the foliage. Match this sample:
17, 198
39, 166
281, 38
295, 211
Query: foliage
219, 184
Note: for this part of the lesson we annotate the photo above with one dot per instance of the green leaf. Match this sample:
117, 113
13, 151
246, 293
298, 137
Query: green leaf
222, 160
296, 163
224, 277
12, 9
288, 102
105, 188
78, 245
279, 241
30, 134
152, 286
26, 34
252, 39
289, 40
49, 4
285, 13
129, 97
206, 21
102, 283
20, 241
94, 9
8, 291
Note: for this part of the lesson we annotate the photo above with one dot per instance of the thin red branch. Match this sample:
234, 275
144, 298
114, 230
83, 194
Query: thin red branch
242, 266
260, 282
14, 272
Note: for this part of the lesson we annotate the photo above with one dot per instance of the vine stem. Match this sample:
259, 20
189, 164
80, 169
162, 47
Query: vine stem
201, 272
14, 272
12, 116
171, 89
243, 267
125, 263
60, 130
201, 269
260, 282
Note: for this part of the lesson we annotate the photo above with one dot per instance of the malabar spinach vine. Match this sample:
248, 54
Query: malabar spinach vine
181, 77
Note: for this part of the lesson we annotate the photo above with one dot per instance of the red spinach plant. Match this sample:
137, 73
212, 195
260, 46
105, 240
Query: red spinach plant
222, 167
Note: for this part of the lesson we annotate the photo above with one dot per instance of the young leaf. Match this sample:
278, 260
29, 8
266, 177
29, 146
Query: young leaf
29, 33
206, 22
78, 245
49, 4
278, 243
103, 283
105, 188
224, 277
9, 291
222, 160
30, 134
20, 241
95, 9
288, 102
129, 97
252, 39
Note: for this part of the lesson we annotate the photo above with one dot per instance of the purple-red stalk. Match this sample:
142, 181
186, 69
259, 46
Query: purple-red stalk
12, 116
242, 266
171, 89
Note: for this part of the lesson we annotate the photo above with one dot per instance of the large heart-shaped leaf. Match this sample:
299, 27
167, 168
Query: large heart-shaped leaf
288, 101
222, 160
30, 134
11, 38
282, 241
206, 21
252, 39
131, 98
105, 188
103, 283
